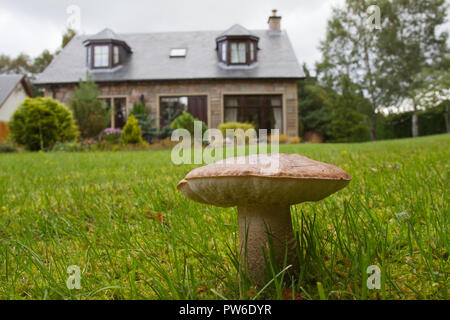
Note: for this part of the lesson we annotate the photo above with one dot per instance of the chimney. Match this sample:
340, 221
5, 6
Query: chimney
274, 21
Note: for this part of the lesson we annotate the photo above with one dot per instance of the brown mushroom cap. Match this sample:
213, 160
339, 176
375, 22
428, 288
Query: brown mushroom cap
260, 180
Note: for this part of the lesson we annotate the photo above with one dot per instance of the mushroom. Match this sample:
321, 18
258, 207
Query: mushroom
263, 187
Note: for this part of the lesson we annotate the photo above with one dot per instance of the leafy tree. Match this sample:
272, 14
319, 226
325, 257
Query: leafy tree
41, 122
338, 117
91, 114
314, 104
411, 44
350, 50
41, 62
67, 37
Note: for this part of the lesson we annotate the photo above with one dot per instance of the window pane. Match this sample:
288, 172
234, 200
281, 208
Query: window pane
252, 51
234, 53
175, 53
89, 52
101, 56
250, 115
231, 115
224, 51
242, 52
171, 108
116, 55
231, 102
238, 52
275, 102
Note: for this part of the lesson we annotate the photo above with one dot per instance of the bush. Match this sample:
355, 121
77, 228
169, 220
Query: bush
295, 140
39, 123
7, 147
234, 126
398, 125
4, 131
186, 121
146, 121
131, 133
67, 147
111, 136
91, 114
347, 125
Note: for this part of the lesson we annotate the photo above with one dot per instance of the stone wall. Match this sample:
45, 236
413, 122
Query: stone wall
214, 89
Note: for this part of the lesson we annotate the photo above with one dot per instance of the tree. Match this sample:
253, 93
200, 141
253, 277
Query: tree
67, 37
410, 44
350, 50
91, 114
315, 101
41, 62
338, 117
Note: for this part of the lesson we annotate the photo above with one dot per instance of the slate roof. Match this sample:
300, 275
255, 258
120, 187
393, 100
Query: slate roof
7, 84
151, 60
237, 30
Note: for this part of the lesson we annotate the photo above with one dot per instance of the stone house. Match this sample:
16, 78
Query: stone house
236, 75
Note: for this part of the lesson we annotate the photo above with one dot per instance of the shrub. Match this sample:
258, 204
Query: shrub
39, 123
234, 126
91, 114
7, 147
186, 121
67, 147
131, 133
295, 140
111, 136
4, 131
145, 120
347, 125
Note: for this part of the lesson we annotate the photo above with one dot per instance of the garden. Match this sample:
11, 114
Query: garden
119, 217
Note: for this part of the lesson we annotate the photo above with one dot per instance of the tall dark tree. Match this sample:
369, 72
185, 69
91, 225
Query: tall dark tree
91, 114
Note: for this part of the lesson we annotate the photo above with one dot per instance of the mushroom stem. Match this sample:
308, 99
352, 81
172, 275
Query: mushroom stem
256, 226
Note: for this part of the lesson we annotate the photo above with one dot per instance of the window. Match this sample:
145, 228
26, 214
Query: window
178, 53
238, 53
101, 56
264, 112
116, 59
171, 107
119, 106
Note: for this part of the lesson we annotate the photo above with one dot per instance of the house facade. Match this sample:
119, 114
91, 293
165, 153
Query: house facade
236, 75
13, 91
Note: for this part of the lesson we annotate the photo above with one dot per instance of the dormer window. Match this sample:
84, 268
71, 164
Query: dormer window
237, 47
105, 50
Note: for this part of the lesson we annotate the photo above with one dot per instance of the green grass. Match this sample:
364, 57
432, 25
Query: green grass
120, 218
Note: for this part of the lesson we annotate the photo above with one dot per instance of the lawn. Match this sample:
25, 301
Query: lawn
119, 217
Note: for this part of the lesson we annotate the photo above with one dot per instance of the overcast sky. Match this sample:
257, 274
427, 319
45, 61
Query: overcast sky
31, 26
